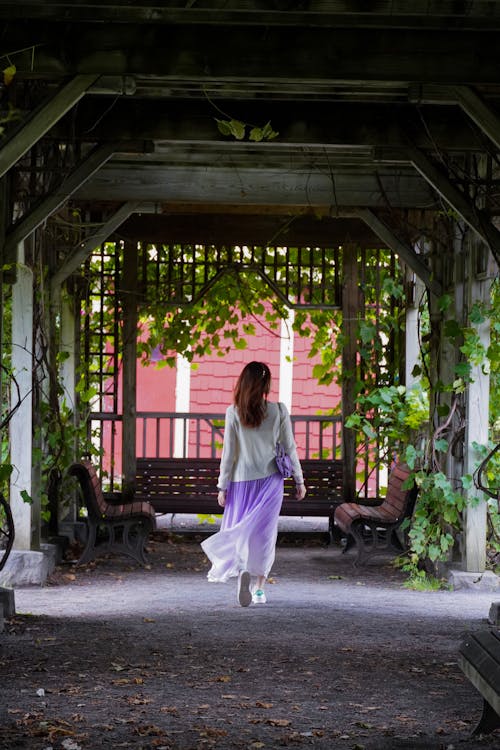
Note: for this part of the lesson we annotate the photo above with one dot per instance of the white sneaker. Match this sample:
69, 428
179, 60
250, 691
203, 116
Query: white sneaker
244, 593
258, 597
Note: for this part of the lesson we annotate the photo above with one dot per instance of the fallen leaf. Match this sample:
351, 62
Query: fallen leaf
278, 722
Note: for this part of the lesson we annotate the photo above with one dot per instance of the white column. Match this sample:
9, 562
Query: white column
412, 346
477, 411
286, 360
182, 404
21, 423
68, 366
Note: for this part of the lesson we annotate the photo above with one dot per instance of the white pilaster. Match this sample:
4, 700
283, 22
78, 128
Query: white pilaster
21, 423
412, 345
68, 366
182, 404
286, 360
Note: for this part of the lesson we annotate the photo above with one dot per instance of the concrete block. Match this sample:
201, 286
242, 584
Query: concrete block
461, 579
52, 553
7, 602
24, 568
494, 614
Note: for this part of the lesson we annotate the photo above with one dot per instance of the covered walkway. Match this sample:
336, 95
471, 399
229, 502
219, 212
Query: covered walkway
121, 657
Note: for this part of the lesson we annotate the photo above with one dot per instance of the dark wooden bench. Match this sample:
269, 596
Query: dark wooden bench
112, 526
479, 659
372, 527
188, 485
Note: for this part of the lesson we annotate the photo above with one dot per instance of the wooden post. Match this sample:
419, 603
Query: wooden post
128, 294
477, 414
350, 311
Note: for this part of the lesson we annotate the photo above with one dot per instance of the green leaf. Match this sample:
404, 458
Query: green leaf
476, 314
240, 344
452, 329
444, 302
26, 497
256, 134
223, 126
467, 481
463, 370
441, 445
237, 129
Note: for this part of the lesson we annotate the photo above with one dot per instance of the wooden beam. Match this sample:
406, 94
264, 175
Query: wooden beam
466, 98
351, 303
254, 229
473, 217
210, 55
476, 219
405, 251
79, 254
43, 119
52, 202
408, 14
128, 296
479, 112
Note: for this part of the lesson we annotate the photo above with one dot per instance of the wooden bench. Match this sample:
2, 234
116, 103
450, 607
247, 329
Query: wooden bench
479, 659
188, 485
112, 527
372, 527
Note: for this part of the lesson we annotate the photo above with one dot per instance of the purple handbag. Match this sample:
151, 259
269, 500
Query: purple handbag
283, 461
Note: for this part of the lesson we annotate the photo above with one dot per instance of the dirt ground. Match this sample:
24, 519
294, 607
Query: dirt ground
111, 655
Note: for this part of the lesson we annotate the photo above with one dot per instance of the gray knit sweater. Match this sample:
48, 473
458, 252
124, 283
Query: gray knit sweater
249, 452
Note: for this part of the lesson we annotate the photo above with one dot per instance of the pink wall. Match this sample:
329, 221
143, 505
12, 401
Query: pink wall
212, 383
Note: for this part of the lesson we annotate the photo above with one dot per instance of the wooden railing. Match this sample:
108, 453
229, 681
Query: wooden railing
199, 435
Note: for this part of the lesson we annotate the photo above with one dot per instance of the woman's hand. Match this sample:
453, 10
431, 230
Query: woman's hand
300, 491
221, 498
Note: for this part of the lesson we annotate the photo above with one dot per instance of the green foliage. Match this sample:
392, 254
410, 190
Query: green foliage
238, 130
420, 581
418, 425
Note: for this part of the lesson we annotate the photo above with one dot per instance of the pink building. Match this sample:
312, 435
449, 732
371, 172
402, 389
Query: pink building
206, 388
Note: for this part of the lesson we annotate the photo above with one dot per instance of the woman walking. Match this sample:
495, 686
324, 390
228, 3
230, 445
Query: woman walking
250, 486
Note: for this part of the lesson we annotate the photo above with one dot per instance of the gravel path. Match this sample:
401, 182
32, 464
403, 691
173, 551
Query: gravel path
111, 655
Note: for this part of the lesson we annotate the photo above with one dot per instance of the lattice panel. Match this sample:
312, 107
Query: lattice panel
182, 274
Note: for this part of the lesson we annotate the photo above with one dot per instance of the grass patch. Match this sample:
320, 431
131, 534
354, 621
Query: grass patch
425, 583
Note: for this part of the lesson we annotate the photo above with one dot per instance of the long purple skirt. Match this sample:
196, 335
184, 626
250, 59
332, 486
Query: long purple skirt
247, 536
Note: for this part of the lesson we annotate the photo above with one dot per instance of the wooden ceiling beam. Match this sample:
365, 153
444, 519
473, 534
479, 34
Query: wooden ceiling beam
249, 229
405, 251
55, 200
473, 216
42, 119
80, 253
465, 97
408, 14
302, 54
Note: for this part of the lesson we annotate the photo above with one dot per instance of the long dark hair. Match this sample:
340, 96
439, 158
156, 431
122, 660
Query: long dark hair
250, 393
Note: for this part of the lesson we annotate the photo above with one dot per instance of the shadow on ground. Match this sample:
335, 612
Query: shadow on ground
111, 655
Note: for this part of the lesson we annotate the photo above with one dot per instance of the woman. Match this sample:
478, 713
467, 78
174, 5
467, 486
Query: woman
250, 486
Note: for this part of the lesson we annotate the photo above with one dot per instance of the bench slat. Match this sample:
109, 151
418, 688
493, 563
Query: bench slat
185, 485
479, 659
372, 527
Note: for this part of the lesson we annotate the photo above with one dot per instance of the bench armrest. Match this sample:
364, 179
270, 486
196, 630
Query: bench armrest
113, 498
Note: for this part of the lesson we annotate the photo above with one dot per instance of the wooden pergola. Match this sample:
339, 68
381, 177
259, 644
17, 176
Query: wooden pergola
388, 135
